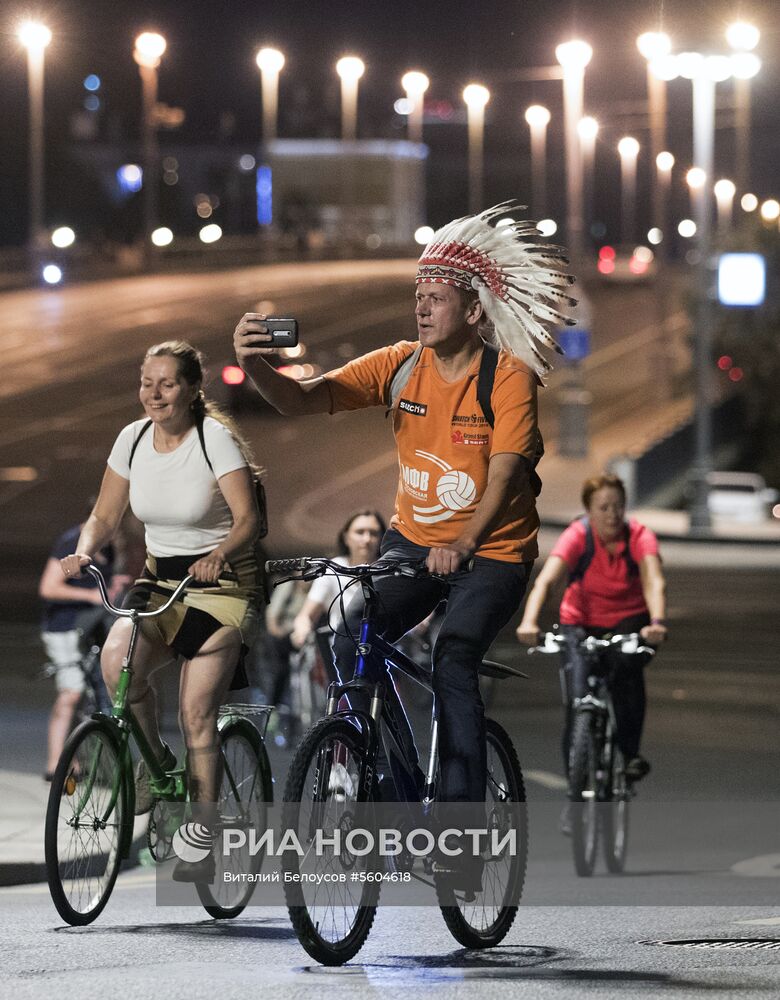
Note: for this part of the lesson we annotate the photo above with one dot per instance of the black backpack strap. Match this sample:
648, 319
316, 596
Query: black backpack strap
485, 380
587, 556
202, 439
137, 441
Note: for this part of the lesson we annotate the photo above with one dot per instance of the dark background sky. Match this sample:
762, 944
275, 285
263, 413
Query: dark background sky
209, 70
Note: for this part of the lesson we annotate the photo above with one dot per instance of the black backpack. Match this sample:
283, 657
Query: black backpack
259, 488
590, 548
485, 380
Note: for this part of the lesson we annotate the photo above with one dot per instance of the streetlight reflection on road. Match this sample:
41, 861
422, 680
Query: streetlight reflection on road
654, 46
35, 37
476, 97
350, 69
587, 130
725, 190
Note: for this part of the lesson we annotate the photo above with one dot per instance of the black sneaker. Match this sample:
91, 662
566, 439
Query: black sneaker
637, 768
202, 872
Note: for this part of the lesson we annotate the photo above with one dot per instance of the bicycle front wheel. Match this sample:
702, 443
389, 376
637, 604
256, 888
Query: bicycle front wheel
245, 791
332, 914
615, 814
86, 818
485, 921
583, 792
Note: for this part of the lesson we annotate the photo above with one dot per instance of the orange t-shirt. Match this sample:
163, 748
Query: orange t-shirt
445, 444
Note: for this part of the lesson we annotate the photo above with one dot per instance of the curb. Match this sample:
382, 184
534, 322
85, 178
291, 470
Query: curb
14, 873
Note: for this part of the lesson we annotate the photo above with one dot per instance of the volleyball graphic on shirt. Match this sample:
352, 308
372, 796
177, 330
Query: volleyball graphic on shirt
456, 490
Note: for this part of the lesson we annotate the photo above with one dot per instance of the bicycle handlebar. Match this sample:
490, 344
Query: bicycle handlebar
630, 643
310, 567
127, 612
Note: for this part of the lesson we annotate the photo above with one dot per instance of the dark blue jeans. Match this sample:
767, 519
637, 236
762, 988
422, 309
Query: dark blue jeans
627, 686
479, 603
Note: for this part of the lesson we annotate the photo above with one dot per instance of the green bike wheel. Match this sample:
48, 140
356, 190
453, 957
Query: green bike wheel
86, 822
245, 791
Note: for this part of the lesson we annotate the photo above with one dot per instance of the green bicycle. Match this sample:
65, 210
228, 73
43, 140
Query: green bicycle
90, 813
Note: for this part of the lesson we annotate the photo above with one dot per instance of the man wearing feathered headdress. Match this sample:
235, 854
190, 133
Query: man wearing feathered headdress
463, 400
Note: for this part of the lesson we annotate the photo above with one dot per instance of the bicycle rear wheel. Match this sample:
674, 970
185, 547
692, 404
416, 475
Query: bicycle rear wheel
614, 814
86, 819
245, 792
325, 784
485, 921
583, 792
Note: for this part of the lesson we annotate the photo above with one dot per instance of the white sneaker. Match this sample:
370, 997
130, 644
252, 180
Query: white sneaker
340, 784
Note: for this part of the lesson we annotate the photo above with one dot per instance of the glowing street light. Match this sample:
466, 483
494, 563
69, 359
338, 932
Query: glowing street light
149, 48
415, 84
350, 69
628, 148
696, 178
35, 37
587, 130
538, 118
724, 196
748, 202
742, 36
476, 97
270, 63
573, 57
770, 210
63, 237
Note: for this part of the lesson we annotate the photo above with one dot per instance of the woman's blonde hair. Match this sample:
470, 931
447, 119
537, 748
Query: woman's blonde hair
190, 367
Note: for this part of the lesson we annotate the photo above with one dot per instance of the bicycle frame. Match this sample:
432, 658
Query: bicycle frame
370, 643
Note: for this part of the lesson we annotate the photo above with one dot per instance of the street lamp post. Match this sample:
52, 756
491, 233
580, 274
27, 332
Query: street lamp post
704, 72
415, 84
538, 118
587, 130
628, 148
35, 37
743, 38
270, 63
573, 57
656, 45
663, 178
476, 97
350, 69
724, 198
149, 47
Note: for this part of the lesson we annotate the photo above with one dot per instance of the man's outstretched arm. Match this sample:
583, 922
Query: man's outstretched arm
287, 395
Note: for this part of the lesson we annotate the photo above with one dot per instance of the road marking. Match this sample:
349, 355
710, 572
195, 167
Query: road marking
762, 866
547, 780
762, 922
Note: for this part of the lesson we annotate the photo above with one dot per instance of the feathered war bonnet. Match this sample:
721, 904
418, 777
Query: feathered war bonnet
518, 279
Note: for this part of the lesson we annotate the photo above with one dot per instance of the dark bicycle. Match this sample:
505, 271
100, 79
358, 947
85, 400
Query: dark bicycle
89, 818
333, 774
599, 790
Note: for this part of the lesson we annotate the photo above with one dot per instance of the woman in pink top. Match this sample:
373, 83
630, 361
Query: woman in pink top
615, 585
